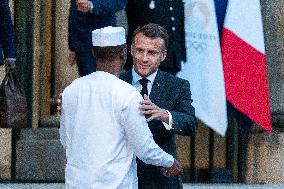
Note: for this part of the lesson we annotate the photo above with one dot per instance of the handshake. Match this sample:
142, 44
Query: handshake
174, 170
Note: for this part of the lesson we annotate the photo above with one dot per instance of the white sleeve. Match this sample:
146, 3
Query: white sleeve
65, 119
62, 128
140, 137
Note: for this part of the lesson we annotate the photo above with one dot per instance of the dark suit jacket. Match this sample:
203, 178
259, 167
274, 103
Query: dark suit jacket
172, 94
170, 15
7, 39
81, 25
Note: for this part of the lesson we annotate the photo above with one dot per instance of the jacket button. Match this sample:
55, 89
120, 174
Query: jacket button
174, 28
172, 18
171, 8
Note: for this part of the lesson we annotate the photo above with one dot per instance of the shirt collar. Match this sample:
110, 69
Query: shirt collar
136, 77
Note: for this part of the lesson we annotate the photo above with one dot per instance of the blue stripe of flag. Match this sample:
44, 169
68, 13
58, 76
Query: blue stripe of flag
220, 6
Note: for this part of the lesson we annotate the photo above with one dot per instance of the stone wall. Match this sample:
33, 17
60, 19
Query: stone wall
266, 151
273, 22
265, 158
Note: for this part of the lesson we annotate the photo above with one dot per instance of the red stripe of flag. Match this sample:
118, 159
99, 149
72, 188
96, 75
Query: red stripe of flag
246, 79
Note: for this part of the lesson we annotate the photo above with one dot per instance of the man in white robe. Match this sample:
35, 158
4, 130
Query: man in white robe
101, 127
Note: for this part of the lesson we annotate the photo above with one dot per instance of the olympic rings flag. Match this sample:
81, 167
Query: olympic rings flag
244, 61
204, 68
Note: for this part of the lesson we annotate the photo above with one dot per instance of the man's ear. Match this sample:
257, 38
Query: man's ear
123, 54
164, 55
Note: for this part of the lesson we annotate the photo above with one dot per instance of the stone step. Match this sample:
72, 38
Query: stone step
39, 155
185, 186
48, 121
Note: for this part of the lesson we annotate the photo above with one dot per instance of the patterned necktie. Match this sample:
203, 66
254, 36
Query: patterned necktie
144, 82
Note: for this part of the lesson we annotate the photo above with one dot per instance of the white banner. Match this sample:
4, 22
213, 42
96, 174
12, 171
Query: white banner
203, 68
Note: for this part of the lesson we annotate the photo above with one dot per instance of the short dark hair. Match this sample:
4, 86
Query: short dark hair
152, 30
108, 53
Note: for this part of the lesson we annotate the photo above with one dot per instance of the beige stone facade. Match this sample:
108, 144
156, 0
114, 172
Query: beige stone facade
5, 153
265, 158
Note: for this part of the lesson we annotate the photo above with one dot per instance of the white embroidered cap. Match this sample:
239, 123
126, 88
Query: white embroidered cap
108, 36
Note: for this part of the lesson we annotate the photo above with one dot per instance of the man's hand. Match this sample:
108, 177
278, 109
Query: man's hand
59, 105
72, 58
147, 107
83, 5
174, 170
10, 65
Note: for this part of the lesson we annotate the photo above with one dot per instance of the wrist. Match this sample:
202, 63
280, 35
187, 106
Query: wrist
165, 117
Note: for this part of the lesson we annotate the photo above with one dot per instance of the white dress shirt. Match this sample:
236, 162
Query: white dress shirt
138, 86
102, 130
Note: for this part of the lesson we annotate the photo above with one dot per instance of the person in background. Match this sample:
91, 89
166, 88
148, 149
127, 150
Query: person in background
170, 15
101, 126
7, 38
84, 17
167, 101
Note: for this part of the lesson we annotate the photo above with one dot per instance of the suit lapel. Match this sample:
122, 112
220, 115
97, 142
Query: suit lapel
157, 88
127, 77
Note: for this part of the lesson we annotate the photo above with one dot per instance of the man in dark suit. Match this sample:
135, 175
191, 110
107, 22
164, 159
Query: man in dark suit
168, 108
170, 15
84, 17
7, 38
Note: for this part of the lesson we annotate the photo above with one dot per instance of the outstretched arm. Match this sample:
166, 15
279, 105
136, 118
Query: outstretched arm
141, 139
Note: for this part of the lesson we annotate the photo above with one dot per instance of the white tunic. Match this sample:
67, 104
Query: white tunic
102, 131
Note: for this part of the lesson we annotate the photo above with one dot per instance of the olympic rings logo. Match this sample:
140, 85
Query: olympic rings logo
197, 46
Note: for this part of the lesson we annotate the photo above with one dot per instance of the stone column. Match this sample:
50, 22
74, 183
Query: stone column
266, 151
64, 73
42, 59
273, 22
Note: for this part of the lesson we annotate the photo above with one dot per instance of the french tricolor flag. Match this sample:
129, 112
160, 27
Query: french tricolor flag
244, 64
